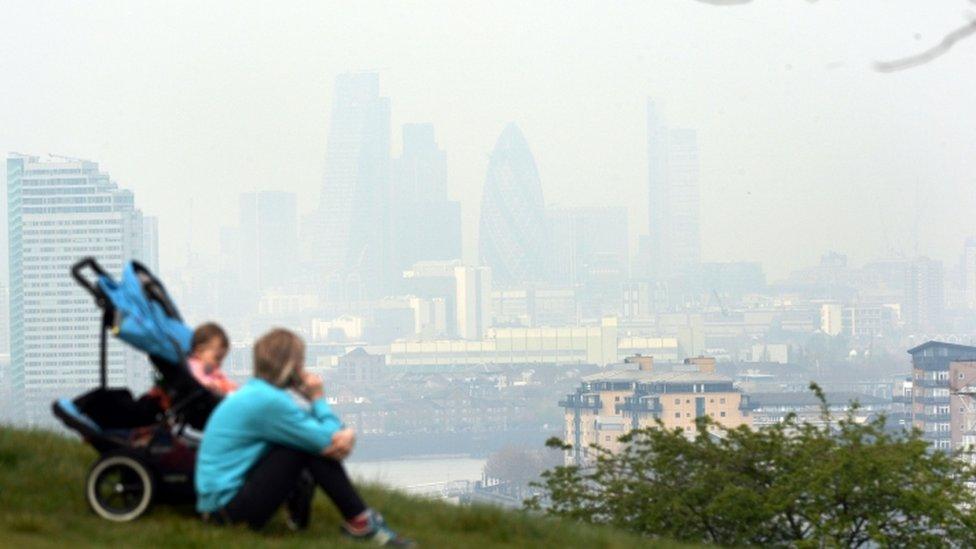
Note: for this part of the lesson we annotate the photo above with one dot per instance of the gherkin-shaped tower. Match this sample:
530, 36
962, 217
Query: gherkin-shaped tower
514, 236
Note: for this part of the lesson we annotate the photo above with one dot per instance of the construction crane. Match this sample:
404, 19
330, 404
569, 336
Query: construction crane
721, 304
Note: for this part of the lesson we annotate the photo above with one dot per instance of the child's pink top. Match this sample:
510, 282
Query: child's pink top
211, 378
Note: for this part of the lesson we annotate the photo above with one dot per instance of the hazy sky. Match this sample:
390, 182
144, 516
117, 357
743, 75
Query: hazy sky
803, 147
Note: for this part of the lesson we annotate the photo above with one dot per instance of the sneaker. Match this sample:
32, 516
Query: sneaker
298, 507
378, 533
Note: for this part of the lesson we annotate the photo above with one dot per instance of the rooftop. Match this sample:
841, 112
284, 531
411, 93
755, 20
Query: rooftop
951, 346
644, 376
806, 398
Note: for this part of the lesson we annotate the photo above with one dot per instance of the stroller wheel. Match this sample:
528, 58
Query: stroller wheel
119, 488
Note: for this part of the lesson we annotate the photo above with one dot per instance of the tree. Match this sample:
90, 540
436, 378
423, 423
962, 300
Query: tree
520, 466
840, 484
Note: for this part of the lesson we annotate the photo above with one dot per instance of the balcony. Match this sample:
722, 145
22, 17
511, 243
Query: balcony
640, 406
931, 383
581, 402
745, 405
944, 400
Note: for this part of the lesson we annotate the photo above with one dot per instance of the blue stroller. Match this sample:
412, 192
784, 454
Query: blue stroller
147, 446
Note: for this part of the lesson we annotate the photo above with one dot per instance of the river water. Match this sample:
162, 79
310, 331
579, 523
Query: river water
411, 473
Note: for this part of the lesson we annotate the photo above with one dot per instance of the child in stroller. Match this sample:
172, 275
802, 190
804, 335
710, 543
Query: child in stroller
207, 352
147, 446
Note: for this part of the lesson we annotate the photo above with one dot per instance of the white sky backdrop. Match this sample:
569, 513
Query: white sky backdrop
803, 147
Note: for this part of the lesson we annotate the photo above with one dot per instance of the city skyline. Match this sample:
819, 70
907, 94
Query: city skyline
795, 114
453, 251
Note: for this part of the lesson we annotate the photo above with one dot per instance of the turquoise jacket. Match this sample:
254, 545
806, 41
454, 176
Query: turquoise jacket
242, 428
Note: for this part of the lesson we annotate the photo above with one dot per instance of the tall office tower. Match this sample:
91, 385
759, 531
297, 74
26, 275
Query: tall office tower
350, 233
969, 273
473, 301
514, 236
234, 306
60, 210
150, 242
924, 300
586, 240
426, 225
590, 252
674, 202
268, 241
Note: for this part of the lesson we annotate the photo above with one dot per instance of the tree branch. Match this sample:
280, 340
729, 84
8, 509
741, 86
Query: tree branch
894, 65
928, 55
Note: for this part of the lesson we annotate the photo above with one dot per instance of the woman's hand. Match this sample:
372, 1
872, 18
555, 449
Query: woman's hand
342, 444
311, 386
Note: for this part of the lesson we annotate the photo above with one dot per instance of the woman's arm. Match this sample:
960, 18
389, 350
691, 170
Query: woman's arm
284, 422
344, 439
342, 444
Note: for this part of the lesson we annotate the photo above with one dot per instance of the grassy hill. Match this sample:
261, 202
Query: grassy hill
42, 505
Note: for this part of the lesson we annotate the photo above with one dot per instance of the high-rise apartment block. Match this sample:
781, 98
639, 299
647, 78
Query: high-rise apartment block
962, 405
931, 389
61, 210
610, 404
924, 296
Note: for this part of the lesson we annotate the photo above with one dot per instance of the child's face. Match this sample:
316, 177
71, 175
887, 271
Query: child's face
212, 353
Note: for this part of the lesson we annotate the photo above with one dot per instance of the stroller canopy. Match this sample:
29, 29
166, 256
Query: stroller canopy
145, 317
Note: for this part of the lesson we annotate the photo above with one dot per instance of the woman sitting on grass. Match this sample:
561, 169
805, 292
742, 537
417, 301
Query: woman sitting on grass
271, 441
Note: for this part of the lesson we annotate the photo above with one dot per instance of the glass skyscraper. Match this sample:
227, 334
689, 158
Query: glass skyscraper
426, 225
674, 202
350, 234
514, 235
60, 210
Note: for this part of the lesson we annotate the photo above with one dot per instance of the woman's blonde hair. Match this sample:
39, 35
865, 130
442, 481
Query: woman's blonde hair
278, 357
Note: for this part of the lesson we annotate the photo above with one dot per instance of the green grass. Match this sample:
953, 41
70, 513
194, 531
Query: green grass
42, 505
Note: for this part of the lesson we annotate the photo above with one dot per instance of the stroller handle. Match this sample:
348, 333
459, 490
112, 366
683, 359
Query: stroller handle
155, 290
91, 287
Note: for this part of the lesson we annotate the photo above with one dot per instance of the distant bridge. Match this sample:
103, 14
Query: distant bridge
441, 490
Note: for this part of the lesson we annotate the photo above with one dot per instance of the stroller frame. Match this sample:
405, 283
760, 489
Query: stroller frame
146, 453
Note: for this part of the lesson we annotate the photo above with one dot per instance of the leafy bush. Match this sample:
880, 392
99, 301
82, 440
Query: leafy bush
836, 484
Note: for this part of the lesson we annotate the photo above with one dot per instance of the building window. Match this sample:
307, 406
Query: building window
721, 401
677, 414
722, 414
677, 401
